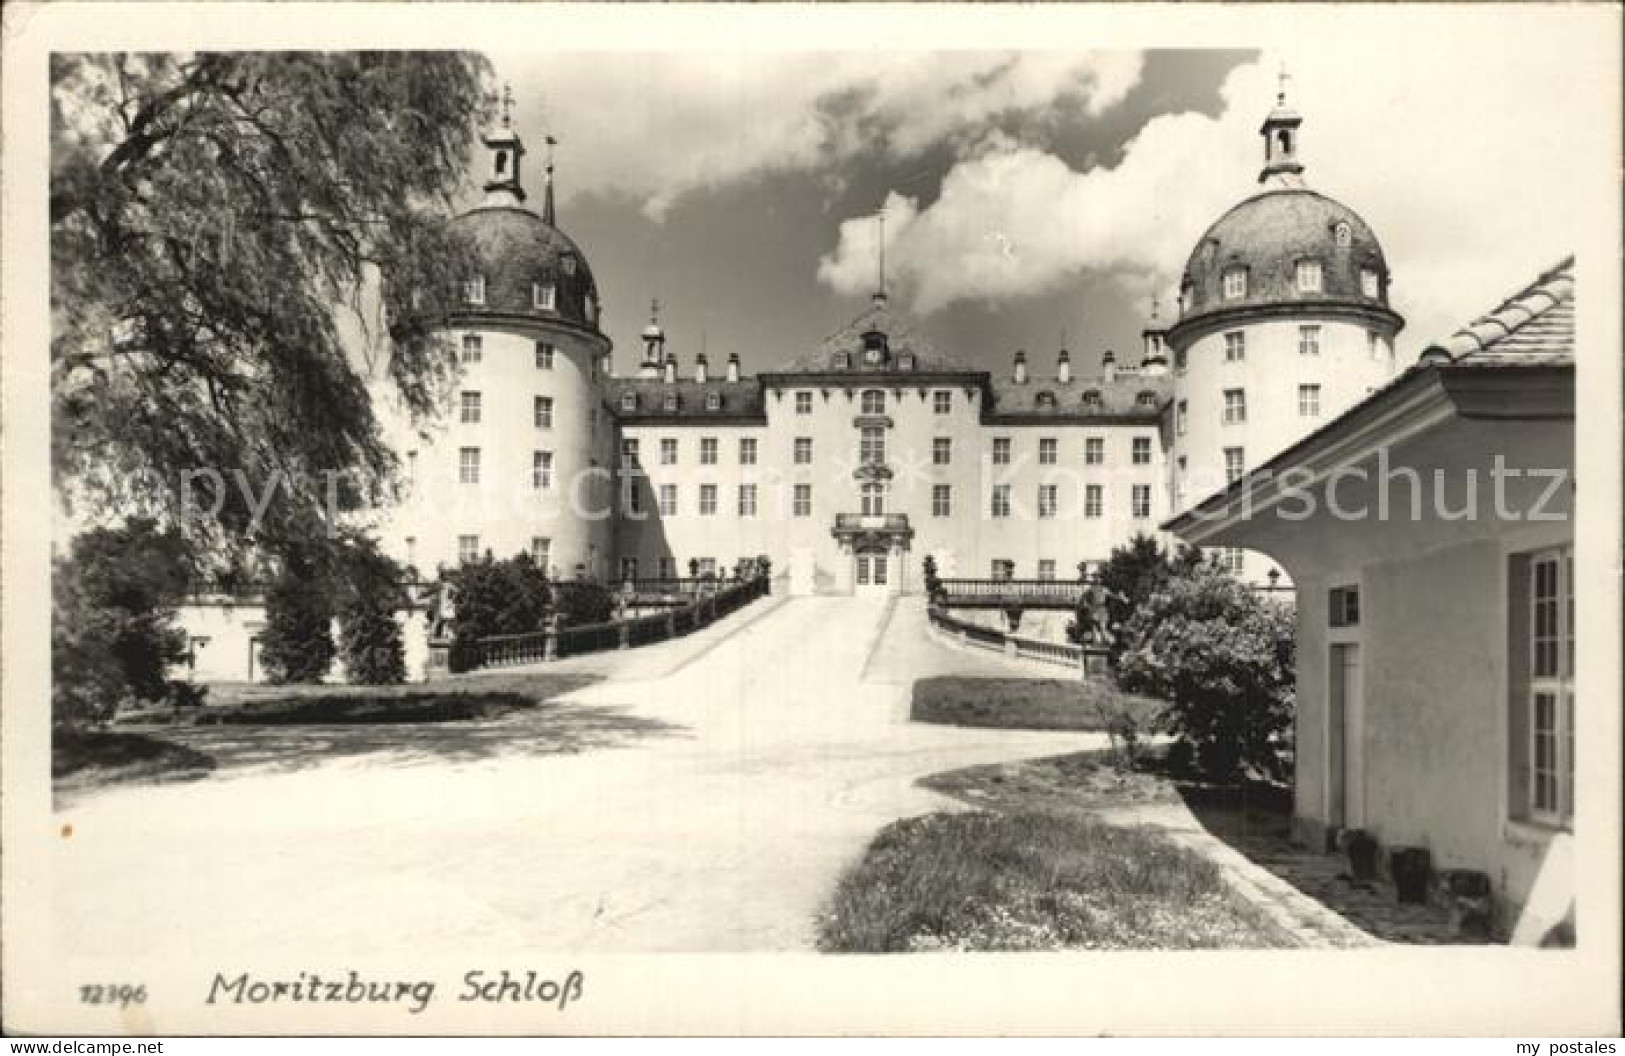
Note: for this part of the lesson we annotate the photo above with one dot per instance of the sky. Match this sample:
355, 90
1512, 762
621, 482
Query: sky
1035, 199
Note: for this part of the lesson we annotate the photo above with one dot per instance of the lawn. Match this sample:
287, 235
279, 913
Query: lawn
1035, 880
1027, 703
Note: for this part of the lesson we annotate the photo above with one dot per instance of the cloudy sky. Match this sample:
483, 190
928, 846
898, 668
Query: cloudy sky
1035, 197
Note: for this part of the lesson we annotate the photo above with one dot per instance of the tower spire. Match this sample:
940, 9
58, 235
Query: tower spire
1280, 131
880, 256
547, 195
503, 186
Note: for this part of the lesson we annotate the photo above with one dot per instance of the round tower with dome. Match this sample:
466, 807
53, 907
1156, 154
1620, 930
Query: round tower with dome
523, 460
1283, 324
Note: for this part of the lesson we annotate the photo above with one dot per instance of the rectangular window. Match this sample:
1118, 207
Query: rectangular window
544, 296
942, 401
541, 551
629, 454
544, 355
941, 500
747, 500
1142, 450
1369, 284
666, 568
541, 412
801, 501
1235, 406
1308, 340
708, 500
468, 465
1373, 344
1047, 451
471, 408
541, 470
1230, 558
1235, 463
803, 451
1343, 607
629, 569
468, 548
803, 403
1094, 451
1046, 568
873, 401
1308, 276
474, 290
1001, 500
941, 450
1048, 500
634, 495
1235, 283
1550, 627
1235, 346
747, 451
668, 500
707, 567
1001, 451
668, 451
473, 348
1179, 417
1308, 401
872, 445
708, 450
1142, 501
1003, 569
1094, 500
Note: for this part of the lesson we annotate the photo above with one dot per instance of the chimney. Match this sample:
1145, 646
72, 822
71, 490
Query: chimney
609, 365
699, 368
670, 370
1021, 368
733, 366
1063, 367
1108, 365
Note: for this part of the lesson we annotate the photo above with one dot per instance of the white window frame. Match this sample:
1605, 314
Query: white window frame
1140, 451
999, 508
1094, 500
942, 450
708, 450
544, 355
1370, 282
1234, 283
747, 450
1557, 683
747, 500
474, 290
1094, 450
1309, 400
872, 401
804, 402
1140, 501
541, 470
708, 500
801, 451
666, 500
468, 465
1235, 346
468, 549
1049, 451
541, 412
544, 296
473, 350
668, 450
1001, 451
1049, 500
1309, 276
470, 406
942, 500
942, 402
1235, 411
801, 501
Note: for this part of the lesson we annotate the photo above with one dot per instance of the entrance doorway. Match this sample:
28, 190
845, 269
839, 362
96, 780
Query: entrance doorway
872, 574
1345, 734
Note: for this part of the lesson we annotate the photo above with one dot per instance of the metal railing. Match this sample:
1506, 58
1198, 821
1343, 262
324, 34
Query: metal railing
891, 522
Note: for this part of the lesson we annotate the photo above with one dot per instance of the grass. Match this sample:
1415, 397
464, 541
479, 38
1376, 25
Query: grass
1082, 781
1027, 703
96, 756
1034, 880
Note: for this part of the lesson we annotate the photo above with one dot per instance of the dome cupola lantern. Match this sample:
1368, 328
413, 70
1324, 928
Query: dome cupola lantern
1280, 131
503, 185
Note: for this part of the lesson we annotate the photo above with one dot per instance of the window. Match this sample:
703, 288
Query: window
803, 403
872, 500
708, 500
1550, 629
713, 401
1003, 569
629, 454
669, 403
470, 408
1235, 283
1001, 451
1001, 500
803, 451
873, 401
1370, 284
668, 451
1094, 451
1308, 276
1180, 361
1048, 500
1235, 346
1309, 401
1308, 340
747, 450
1046, 568
1230, 558
707, 567
1146, 398
942, 500
541, 412
1047, 451
1142, 451
871, 445
541, 470
801, 501
544, 355
473, 348
468, 465
708, 450
668, 500
1235, 463
544, 296
629, 401
1343, 607
1373, 344
1343, 234
634, 496
1094, 500
905, 361
468, 548
474, 290
1091, 400
541, 551
1235, 406
629, 569
941, 450
747, 500
1179, 417
942, 402
1046, 401
1141, 500
843, 360
666, 568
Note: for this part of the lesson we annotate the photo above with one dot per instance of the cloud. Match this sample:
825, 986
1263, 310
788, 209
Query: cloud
1462, 167
660, 126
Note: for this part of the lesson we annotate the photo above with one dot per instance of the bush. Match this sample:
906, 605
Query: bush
584, 602
1127, 580
369, 637
492, 598
297, 643
1222, 657
113, 630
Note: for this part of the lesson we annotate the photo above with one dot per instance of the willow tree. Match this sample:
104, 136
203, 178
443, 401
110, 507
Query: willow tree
246, 250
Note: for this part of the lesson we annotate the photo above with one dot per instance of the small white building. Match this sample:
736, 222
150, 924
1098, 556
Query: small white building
1429, 533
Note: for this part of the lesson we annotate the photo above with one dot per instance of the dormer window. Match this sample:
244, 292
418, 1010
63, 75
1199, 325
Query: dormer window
874, 347
1370, 282
544, 296
1309, 276
590, 305
568, 262
629, 401
670, 402
906, 361
1091, 400
474, 290
1343, 234
1146, 398
1046, 401
842, 361
713, 401
1235, 284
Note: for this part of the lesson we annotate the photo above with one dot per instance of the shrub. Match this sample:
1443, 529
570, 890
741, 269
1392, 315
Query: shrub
583, 602
1222, 657
370, 594
1127, 580
297, 643
495, 597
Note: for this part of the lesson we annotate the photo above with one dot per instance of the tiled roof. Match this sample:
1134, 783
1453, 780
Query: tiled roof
1532, 327
1126, 395
736, 399
901, 340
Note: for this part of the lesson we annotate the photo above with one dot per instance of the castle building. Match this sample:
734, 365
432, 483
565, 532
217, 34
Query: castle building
857, 458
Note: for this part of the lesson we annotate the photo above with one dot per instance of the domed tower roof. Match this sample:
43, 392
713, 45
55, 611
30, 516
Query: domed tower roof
531, 268
1248, 261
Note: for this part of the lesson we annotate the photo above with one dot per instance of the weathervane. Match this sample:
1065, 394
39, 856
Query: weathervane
654, 311
880, 219
507, 105
1280, 80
